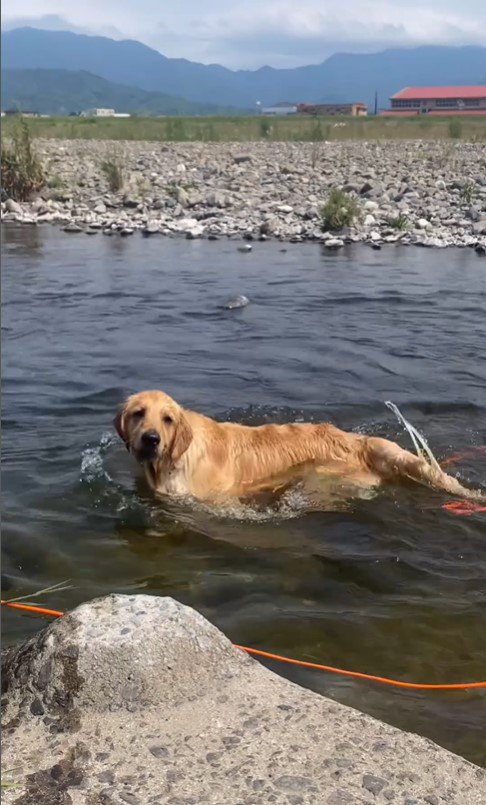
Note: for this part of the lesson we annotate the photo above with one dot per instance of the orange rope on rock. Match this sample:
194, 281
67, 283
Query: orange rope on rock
302, 663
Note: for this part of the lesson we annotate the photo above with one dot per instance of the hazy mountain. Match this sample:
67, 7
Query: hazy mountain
59, 92
342, 77
54, 22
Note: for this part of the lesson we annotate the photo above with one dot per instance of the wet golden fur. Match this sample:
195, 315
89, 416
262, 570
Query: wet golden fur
216, 461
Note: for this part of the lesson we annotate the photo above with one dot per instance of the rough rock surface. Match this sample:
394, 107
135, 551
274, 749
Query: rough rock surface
138, 699
426, 193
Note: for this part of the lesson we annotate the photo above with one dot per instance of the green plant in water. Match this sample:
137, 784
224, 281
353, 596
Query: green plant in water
340, 210
400, 222
114, 174
21, 168
467, 192
455, 129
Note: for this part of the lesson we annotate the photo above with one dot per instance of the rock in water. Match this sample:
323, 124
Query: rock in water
334, 243
236, 302
246, 248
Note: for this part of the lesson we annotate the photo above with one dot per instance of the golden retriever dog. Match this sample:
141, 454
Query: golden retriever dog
186, 453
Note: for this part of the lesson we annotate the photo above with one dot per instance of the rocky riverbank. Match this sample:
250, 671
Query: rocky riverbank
140, 700
424, 193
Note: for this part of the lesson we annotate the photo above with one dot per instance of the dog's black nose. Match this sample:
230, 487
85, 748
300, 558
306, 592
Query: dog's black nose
150, 438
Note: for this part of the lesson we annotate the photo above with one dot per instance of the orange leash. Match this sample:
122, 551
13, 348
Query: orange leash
472, 451
302, 663
56, 613
357, 675
465, 507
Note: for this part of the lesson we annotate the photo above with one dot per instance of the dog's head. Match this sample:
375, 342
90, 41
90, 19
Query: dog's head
154, 428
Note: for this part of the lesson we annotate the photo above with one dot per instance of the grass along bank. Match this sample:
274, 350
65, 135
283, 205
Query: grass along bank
252, 128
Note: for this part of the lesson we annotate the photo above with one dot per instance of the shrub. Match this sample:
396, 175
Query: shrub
455, 129
400, 222
55, 182
467, 192
340, 210
265, 127
21, 168
114, 174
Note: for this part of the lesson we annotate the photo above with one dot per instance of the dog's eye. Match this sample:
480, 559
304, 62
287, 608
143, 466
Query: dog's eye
138, 414
167, 420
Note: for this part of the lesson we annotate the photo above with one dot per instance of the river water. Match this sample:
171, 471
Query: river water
394, 586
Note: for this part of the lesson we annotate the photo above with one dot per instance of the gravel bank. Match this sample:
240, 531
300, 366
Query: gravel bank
428, 194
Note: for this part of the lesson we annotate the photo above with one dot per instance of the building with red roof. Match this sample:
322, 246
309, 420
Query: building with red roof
462, 100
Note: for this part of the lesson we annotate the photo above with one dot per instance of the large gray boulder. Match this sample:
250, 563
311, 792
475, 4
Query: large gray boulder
138, 699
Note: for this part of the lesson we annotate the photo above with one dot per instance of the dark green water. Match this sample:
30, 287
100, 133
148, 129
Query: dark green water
393, 586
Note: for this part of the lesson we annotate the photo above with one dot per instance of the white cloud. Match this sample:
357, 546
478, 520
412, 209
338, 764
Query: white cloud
278, 32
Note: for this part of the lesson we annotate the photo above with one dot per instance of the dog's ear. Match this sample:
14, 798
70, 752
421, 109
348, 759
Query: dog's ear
119, 423
182, 438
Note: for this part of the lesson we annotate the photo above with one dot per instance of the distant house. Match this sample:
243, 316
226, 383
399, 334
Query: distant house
98, 113
22, 113
280, 109
462, 100
353, 109
103, 113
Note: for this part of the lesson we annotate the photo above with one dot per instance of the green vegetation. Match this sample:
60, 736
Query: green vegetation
298, 128
400, 222
455, 129
54, 182
21, 169
6, 780
468, 192
265, 127
341, 209
114, 174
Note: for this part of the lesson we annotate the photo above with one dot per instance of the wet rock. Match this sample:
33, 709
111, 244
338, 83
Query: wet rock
73, 228
13, 206
150, 229
334, 243
236, 302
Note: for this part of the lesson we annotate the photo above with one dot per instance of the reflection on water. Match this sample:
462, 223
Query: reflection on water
391, 585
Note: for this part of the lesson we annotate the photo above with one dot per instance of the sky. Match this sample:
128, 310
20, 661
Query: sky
254, 33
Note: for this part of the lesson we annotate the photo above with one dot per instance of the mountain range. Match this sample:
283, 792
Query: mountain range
125, 64
61, 92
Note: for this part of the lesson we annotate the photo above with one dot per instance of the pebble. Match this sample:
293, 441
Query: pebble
266, 190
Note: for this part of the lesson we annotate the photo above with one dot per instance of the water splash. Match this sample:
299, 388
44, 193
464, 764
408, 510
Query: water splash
92, 460
419, 442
